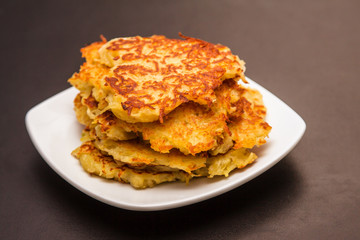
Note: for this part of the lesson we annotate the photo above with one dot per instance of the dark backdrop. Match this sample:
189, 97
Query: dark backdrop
305, 52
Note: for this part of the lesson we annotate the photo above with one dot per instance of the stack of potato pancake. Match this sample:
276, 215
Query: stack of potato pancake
160, 110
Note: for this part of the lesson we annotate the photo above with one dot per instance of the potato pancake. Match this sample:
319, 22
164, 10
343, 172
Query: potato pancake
236, 117
144, 78
95, 162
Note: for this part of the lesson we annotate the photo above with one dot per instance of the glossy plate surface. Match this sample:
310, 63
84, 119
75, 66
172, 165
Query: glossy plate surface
55, 132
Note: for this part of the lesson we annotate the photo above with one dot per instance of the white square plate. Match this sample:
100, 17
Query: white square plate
55, 132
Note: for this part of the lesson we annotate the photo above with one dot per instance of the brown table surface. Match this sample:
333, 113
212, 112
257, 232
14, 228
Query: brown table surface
305, 52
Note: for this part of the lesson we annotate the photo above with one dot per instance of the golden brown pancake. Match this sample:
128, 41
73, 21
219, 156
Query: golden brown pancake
237, 117
250, 129
143, 79
96, 162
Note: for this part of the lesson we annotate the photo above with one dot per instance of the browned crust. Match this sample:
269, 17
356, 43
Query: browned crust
157, 83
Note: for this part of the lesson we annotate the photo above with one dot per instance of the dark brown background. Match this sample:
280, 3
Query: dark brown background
305, 52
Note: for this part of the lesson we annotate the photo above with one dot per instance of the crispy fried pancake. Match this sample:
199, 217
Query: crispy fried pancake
238, 115
95, 162
249, 129
223, 164
81, 111
191, 128
143, 79
136, 153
